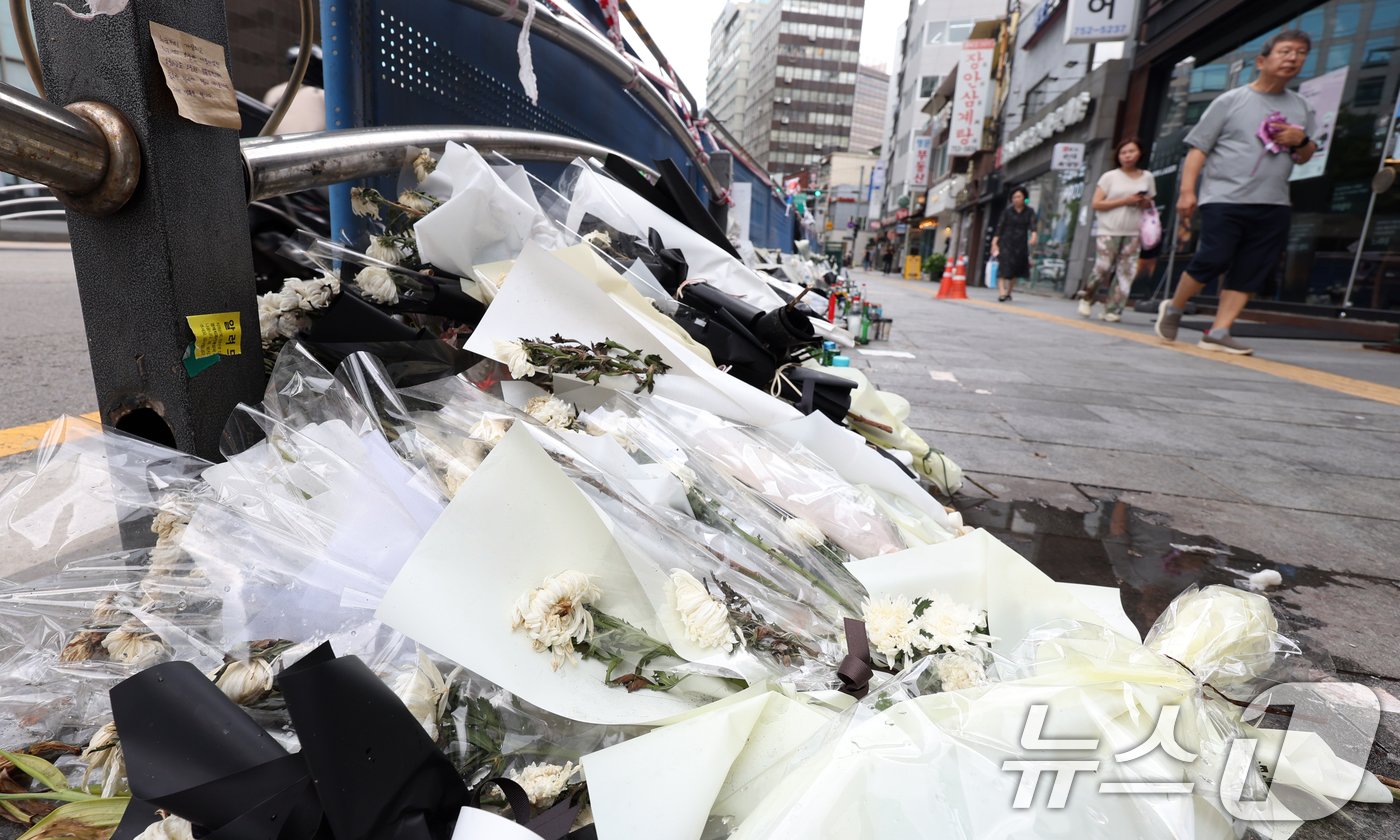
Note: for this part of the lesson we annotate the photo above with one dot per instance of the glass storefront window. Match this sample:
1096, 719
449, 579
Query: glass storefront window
1355, 46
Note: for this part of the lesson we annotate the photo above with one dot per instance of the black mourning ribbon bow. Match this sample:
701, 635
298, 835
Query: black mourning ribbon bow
366, 770
857, 667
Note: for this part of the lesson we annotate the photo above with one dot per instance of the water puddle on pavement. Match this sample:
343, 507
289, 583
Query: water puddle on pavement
1121, 546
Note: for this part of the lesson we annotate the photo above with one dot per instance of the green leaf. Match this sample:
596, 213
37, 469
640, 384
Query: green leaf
41, 770
15, 812
93, 819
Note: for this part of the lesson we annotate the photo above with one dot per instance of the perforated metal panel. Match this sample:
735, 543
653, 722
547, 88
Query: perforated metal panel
411, 62
423, 67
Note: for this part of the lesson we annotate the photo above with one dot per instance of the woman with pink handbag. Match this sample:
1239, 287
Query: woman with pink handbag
1123, 200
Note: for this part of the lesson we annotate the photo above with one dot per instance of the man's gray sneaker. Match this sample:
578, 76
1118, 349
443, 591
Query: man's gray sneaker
1167, 322
1224, 344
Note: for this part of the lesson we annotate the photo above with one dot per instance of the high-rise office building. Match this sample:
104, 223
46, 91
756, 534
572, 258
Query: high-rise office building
870, 108
727, 82
803, 57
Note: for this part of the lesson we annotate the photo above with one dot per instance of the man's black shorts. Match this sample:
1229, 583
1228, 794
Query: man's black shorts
1241, 241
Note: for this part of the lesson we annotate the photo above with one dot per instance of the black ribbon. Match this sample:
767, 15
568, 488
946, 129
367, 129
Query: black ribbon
410, 356
366, 770
814, 391
857, 667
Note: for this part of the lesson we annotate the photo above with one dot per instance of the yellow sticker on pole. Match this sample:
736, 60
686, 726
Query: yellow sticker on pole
220, 333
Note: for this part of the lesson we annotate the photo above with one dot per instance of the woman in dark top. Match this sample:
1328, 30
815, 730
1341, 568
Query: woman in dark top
1013, 242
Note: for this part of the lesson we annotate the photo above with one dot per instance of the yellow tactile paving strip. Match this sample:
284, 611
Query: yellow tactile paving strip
24, 438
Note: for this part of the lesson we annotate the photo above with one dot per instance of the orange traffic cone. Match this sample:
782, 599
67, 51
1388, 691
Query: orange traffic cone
959, 290
945, 286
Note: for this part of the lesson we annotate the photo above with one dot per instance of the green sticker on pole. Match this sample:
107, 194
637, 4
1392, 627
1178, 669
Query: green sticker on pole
194, 365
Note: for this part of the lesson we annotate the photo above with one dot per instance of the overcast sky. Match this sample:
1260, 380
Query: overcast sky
682, 30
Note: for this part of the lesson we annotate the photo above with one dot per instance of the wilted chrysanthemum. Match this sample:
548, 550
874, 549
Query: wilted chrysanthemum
135, 645
544, 782
423, 691
551, 411
490, 430
246, 681
361, 204
384, 249
423, 165
416, 201
554, 615
514, 356
378, 285
104, 755
170, 828
704, 617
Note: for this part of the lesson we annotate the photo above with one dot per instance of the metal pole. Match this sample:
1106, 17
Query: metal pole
1370, 209
179, 247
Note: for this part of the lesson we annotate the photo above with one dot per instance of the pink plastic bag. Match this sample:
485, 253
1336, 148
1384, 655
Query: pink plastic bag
1150, 229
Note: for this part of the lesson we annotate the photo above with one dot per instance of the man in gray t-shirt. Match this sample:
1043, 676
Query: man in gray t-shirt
1244, 200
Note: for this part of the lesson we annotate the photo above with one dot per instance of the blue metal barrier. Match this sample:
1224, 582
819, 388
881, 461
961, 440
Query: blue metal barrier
420, 62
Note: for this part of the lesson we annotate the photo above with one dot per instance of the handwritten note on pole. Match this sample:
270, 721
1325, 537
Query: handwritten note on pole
197, 75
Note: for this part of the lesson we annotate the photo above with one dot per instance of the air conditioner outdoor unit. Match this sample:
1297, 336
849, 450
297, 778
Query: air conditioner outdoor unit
785, 120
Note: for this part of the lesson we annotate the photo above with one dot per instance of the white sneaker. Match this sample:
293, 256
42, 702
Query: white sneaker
1086, 307
1112, 317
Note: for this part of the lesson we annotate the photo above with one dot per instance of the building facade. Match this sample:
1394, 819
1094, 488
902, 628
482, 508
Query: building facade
930, 43
803, 62
870, 109
727, 79
1058, 94
1195, 50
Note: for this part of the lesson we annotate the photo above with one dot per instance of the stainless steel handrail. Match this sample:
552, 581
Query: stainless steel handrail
68, 153
31, 214
292, 162
42, 142
593, 46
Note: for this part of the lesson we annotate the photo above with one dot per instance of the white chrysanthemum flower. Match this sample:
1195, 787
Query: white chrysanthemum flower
514, 356
416, 201
360, 205
104, 753
889, 623
133, 644
544, 782
308, 295
291, 324
803, 531
107, 611
554, 615
490, 430
705, 619
551, 411
269, 311
945, 623
957, 671
423, 165
423, 691
170, 828
169, 513
378, 285
384, 249
246, 681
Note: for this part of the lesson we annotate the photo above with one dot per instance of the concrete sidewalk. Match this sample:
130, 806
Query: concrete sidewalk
1280, 462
